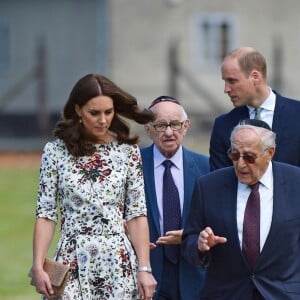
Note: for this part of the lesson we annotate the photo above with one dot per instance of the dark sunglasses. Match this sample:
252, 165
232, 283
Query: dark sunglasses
248, 158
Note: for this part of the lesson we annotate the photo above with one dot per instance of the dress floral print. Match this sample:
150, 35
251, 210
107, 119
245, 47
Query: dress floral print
94, 194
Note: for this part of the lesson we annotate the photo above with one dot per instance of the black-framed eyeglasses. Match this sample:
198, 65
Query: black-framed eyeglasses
174, 125
248, 158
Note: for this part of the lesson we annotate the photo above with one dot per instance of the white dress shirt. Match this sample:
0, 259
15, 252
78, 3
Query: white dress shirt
266, 205
268, 107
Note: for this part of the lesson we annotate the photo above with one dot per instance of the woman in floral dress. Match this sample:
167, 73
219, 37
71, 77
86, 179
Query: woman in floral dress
92, 173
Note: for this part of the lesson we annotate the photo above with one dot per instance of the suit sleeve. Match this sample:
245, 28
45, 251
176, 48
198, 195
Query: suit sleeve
218, 148
194, 224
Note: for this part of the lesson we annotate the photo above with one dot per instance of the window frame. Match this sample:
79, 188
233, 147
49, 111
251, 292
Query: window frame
207, 43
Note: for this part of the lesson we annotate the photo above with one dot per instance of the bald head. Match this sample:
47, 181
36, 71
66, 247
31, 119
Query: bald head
240, 52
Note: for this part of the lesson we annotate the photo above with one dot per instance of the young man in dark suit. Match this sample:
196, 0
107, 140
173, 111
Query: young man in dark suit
244, 72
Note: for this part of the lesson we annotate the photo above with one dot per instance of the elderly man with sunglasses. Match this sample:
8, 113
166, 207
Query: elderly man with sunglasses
244, 223
176, 278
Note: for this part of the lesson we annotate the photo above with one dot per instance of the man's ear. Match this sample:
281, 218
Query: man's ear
186, 125
256, 76
271, 152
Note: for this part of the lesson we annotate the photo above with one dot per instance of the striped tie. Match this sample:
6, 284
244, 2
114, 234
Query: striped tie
257, 113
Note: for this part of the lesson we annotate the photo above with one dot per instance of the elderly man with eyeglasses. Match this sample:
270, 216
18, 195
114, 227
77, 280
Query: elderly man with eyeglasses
168, 199
244, 223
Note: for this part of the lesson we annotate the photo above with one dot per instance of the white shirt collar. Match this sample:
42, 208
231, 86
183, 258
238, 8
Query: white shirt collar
159, 158
265, 180
268, 104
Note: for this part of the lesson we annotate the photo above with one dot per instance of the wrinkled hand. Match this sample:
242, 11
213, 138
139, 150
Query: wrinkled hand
171, 237
207, 239
147, 285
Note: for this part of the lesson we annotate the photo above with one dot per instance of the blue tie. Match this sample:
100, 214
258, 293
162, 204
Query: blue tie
171, 211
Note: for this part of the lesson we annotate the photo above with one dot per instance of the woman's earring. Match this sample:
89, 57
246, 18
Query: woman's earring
80, 120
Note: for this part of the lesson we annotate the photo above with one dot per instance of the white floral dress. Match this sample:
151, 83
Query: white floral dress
94, 193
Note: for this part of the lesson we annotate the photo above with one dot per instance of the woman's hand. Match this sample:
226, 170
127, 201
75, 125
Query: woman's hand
42, 283
147, 285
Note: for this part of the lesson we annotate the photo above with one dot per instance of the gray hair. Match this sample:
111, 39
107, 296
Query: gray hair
267, 136
183, 112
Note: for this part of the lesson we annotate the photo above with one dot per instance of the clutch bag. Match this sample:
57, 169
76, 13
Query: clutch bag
58, 274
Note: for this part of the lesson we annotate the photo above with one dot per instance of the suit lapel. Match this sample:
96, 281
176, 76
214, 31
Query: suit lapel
280, 193
278, 124
244, 113
148, 167
229, 207
239, 114
189, 178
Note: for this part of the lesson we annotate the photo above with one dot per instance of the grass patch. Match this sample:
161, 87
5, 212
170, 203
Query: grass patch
18, 189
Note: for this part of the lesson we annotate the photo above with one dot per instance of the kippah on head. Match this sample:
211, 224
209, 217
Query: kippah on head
163, 99
255, 122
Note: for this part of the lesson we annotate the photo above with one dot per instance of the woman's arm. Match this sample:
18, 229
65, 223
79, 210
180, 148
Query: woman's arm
139, 235
43, 235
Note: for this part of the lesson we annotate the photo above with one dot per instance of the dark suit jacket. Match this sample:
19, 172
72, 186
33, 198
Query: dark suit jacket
277, 272
286, 125
194, 165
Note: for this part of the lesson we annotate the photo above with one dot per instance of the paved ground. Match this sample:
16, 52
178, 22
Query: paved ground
19, 159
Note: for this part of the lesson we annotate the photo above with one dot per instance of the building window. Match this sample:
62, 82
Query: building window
212, 37
5, 46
